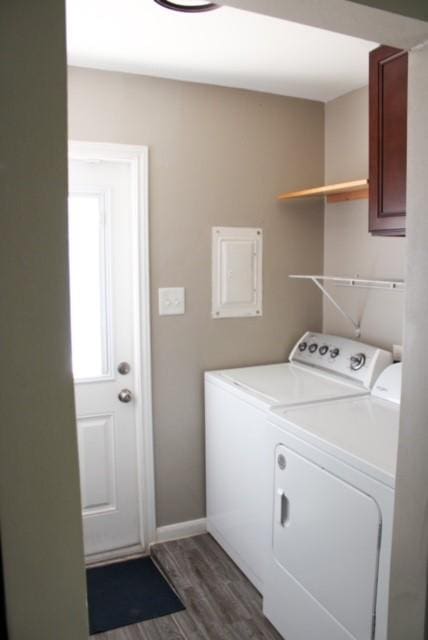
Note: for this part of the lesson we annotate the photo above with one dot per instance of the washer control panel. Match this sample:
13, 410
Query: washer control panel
351, 358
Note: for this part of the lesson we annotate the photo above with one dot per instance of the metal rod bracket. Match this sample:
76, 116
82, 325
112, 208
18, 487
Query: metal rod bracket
336, 305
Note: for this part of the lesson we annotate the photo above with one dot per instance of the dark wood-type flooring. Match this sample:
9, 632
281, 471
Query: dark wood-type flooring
221, 604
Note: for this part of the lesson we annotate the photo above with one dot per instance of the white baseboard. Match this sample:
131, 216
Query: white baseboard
181, 530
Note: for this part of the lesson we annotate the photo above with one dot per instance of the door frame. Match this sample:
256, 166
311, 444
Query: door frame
137, 158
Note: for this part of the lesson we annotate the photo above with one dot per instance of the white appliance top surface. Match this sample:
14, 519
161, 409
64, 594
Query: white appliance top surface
388, 385
361, 431
289, 384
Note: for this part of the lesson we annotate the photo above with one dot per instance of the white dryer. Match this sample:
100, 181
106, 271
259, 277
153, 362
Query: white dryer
238, 453
333, 496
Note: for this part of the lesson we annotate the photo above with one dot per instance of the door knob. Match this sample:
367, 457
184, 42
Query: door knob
125, 395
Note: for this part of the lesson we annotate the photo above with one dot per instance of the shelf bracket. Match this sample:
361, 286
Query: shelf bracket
336, 305
385, 285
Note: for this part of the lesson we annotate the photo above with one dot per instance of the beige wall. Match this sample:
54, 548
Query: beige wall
39, 488
217, 157
410, 543
349, 250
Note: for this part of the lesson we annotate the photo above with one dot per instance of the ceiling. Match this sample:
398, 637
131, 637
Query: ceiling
227, 47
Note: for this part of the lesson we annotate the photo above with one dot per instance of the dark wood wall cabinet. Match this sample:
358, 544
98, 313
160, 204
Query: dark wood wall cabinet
388, 141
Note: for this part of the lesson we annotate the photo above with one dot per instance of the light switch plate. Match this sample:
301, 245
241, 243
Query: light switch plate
171, 301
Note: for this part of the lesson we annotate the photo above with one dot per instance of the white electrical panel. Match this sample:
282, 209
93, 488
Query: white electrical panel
236, 272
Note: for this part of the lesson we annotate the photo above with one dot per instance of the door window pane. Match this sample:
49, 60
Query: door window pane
88, 291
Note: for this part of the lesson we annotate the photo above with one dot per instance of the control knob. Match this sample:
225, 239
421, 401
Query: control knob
323, 350
358, 361
313, 347
302, 346
334, 352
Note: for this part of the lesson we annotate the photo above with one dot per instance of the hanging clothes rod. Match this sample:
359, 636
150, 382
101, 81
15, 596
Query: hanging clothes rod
390, 285
362, 283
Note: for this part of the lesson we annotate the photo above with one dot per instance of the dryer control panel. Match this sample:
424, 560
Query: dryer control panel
351, 358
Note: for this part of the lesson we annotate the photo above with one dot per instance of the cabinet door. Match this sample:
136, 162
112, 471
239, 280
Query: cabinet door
388, 141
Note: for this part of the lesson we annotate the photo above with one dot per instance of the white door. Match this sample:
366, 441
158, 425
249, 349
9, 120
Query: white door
103, 348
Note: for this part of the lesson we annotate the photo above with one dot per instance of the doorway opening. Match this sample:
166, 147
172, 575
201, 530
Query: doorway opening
110, 321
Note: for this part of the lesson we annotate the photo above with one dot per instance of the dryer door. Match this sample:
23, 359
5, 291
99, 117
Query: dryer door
326, 543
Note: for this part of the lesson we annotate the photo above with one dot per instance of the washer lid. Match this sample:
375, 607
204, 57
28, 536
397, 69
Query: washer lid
291, 384
388, 385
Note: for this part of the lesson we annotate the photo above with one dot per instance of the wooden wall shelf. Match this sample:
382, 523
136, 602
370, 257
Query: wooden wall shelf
340, 192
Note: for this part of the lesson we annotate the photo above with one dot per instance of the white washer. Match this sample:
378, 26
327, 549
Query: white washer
238, 454
328, 570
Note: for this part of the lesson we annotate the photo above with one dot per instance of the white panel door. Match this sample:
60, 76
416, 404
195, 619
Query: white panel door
101, 292
325, 540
